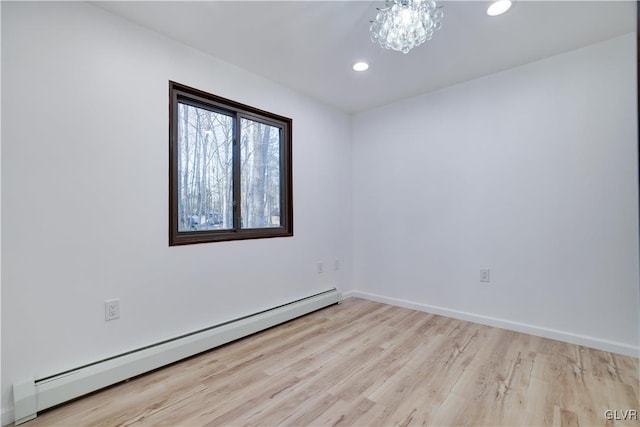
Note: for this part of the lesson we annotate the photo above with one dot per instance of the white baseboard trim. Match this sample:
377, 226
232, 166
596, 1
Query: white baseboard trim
347, 295
554, 334
7, 417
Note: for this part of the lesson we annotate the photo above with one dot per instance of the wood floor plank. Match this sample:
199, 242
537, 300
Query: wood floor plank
363, 363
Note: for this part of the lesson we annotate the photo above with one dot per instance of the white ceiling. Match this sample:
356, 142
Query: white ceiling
310, 46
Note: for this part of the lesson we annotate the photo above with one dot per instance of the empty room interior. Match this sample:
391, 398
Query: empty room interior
360, 213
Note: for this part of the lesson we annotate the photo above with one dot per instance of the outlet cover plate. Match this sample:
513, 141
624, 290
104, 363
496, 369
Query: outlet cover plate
111, 309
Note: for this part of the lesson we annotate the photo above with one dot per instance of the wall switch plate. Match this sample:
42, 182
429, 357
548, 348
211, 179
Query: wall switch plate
336, 264
484, 275
111, 309
320, 267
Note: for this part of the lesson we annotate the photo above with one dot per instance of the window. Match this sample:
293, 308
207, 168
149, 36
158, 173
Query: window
229, 170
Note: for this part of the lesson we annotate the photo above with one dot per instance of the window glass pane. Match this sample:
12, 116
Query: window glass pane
205, 169
260, 174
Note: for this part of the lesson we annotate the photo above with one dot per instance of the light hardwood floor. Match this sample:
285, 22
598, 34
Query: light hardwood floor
363, 363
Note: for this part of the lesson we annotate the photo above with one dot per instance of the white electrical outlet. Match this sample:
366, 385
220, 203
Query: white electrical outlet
111, 309
336, 264
484, 275
320, 267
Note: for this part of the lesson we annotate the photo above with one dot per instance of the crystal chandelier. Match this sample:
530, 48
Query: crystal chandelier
403, 24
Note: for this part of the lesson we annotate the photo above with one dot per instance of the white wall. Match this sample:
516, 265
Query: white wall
531, 172
84, 194
1, 412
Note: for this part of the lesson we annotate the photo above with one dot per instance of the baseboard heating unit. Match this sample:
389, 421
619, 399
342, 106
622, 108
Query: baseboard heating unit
33, 395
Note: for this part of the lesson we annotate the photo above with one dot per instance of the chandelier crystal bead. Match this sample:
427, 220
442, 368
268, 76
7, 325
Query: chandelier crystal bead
404, 24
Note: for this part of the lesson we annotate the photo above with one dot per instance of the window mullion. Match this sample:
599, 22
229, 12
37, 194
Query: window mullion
237, 220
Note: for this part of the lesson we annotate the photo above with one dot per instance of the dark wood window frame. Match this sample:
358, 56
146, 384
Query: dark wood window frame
179, 93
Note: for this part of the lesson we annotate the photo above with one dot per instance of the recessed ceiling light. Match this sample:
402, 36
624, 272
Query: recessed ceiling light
360, 66
498, 7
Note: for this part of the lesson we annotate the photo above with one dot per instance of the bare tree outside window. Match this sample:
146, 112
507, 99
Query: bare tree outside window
260, 172
205, 169
230, 170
